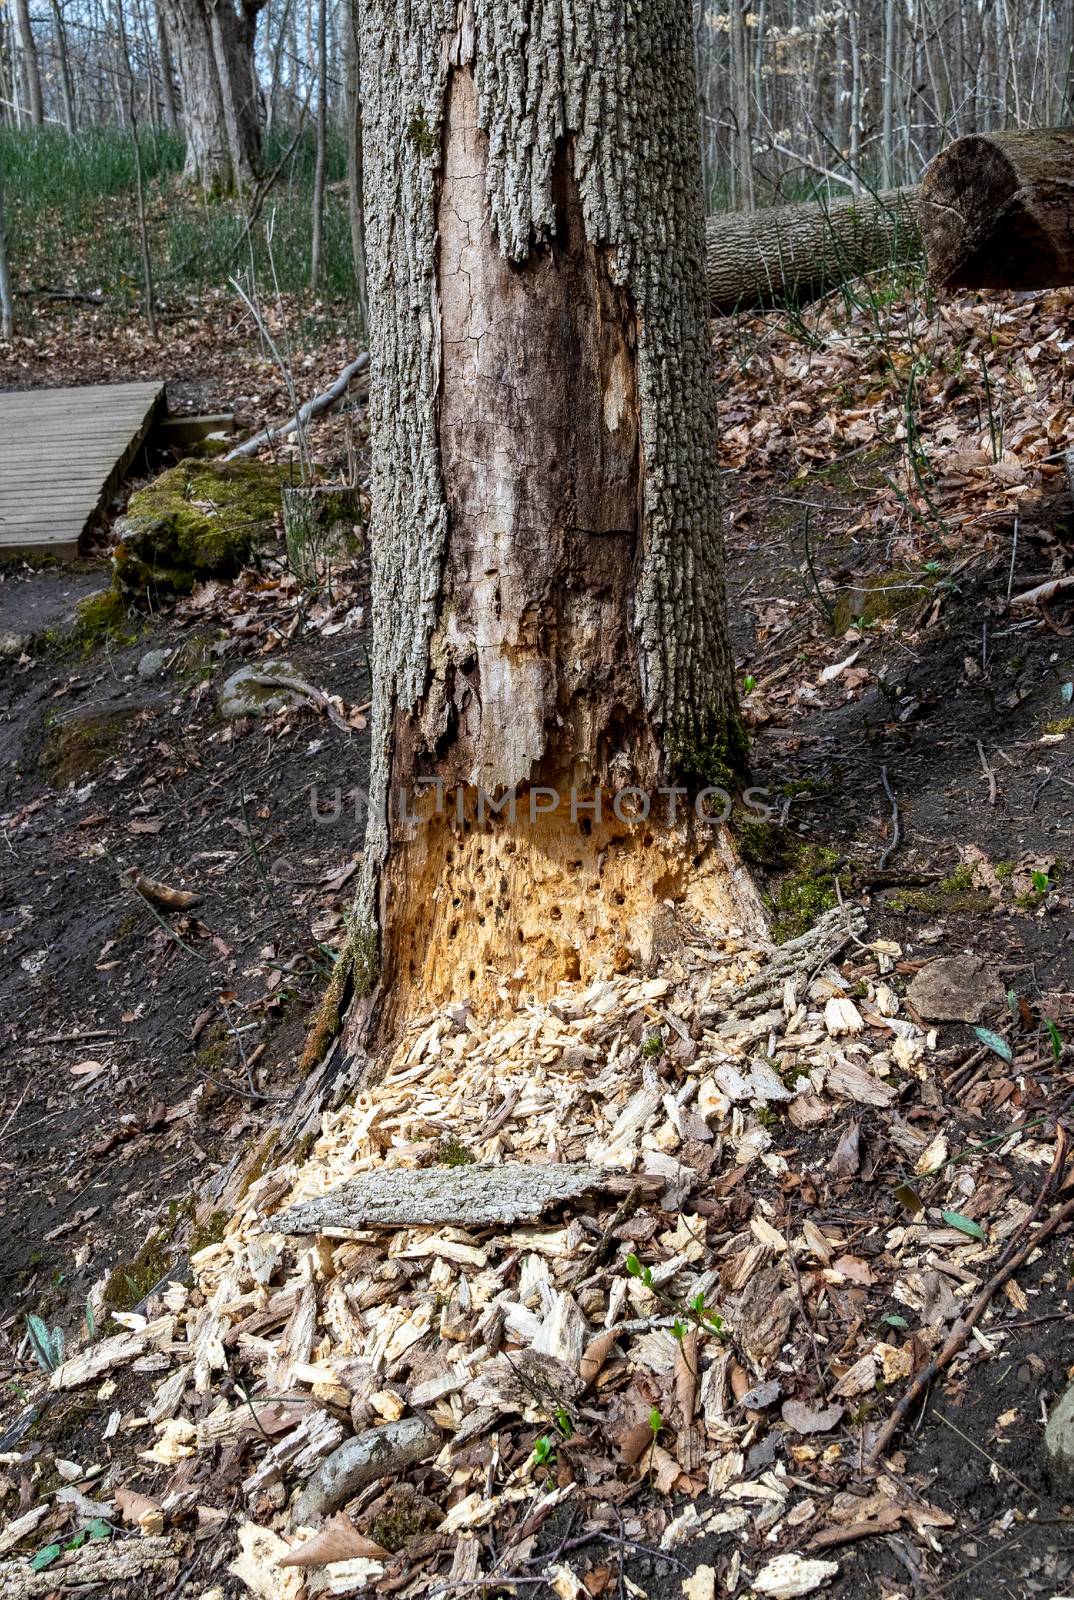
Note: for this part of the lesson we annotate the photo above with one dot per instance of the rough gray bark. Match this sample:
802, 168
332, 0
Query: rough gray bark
997, 211
59, 33
374, 1454
317, 207
474, 1196
800, 252
30, 66
214, 45
167, 70
150, 1564
548, 569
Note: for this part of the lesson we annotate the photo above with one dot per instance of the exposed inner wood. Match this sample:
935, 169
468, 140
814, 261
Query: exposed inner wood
539, 437
491, 913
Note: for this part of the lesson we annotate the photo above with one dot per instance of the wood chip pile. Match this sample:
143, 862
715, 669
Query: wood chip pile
596, 1264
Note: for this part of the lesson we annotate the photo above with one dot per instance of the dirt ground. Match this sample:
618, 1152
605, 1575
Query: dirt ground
141, 1050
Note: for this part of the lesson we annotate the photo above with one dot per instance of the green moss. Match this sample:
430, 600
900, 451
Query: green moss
211, 1231
258, 1162
958, 881
1060, 725
129, 1282
717, 759
406, 1518
653, 1046
82, 745
450, 1153
420, 134
880, 598
935, 902
198, 519
806, 892
761, 843
1004, 871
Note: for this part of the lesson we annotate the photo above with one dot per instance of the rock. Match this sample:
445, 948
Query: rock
153, 663
377, 1453
955, 989
199, 519
1059, 1445
260, 689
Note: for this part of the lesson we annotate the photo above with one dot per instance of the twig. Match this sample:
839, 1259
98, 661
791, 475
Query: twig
896, 831
9, 1119
304, 414
988, 772
961, 1331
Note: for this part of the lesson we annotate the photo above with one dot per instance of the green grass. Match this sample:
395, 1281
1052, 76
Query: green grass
72, 222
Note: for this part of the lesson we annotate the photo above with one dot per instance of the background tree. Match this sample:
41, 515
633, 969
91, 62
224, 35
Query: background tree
7, 306
215, 44
547, 560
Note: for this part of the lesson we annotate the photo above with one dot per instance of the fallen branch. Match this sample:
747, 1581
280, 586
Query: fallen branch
962, 1329
306, 413
468, 1196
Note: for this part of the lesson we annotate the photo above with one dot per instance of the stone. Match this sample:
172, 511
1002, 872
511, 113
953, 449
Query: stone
959, 988
153, 663
260, 689
1059, 1445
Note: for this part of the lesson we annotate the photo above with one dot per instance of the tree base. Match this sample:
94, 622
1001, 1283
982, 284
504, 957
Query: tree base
484, 915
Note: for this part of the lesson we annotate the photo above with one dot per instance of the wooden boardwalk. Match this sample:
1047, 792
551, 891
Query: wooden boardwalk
63, 452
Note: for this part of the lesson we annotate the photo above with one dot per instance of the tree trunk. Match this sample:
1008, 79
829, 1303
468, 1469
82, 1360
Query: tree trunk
800, 252
7, 305
167, 71
997, 211
548, 585
353, 115
321, 156
66, 85
214, 44
30, 66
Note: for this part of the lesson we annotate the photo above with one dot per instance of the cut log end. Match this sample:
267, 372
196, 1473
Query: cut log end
997, 211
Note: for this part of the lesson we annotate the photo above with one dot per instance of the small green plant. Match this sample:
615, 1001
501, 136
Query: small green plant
544, 1451
656, 1422
749, 683
695, 1310
1056, 1039
47, 1346
653, 1046
1041, 882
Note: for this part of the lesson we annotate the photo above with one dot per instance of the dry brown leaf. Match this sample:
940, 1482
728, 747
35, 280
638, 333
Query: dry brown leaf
338, 1540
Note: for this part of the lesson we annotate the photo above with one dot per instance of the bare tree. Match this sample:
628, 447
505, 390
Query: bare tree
7, 304
214, 42
31, 69
317, 224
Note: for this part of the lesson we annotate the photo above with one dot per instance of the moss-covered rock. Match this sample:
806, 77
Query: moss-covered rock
200, 519
83, 743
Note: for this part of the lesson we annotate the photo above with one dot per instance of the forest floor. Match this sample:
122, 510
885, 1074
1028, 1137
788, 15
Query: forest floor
893, 485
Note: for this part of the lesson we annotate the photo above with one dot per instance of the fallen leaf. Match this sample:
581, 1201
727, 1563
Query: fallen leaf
802, 1418
338, 1540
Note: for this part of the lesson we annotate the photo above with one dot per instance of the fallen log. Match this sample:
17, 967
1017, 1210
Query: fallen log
997, 211
800, 252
